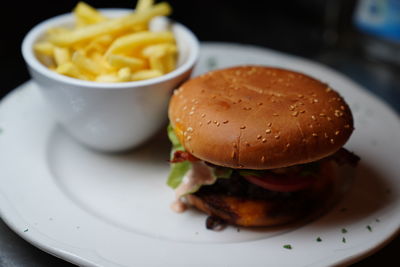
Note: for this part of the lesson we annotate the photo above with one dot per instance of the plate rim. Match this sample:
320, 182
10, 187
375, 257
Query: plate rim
76, 259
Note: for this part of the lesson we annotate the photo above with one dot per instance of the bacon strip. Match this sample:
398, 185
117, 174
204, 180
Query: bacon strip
181, 156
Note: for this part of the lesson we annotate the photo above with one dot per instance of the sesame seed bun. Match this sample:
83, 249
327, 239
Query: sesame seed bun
257, 117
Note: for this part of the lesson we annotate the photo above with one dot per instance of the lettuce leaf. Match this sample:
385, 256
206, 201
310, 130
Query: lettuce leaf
178, 170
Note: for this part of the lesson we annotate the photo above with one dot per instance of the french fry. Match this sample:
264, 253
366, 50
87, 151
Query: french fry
108, 78
124, 74
111, 26
162, 57
132, 42
169, 62
44, 48
145, 74
85, 64
85, 14
61, 55
57, 30
99, 44
110, 50
159, 49
119, 61
144, 4
71, 70
156, 63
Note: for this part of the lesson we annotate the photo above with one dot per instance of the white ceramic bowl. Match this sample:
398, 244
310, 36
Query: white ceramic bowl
109, 116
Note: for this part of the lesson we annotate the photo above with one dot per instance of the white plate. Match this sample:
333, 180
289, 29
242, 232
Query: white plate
113, 209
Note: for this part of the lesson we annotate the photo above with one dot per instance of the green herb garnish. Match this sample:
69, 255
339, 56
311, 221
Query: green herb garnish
319, 239
344, 230
344, 240
26, 230
369, 228
377, 220
288, 246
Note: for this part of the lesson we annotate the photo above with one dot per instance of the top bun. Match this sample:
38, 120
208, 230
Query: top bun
257, 117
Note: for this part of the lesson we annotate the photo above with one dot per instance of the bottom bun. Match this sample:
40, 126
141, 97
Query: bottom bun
277, 208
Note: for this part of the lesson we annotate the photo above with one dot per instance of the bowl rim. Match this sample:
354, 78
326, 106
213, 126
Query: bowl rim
31, 60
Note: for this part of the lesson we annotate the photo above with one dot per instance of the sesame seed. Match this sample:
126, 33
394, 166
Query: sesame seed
200, 123
300, 96
260, 104
177, 119
247, 108
322, 115
189, 129
310, 125
268, 131
225, 121
332, 141
328, 89
239, 100
313, 117
337, 132
218, 124
326, 135
262, 159
176, 92
259, 136
209, 121
242, 127
184, 133
203, 115
302, 111
277, 136
294, 114
191, 113
275, 114
315, 100
314, 134
329, 118
338, 113
247, 143
347, 126
264, 140
184, 108
189, 138
269, 124
287, 145
342, 107
291, 107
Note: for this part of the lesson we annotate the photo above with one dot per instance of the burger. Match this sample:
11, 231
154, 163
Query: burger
257, 145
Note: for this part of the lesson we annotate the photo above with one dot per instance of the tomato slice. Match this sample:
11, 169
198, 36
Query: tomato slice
282, 183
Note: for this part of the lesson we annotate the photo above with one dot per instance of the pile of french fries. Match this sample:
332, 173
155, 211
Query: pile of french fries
105, 49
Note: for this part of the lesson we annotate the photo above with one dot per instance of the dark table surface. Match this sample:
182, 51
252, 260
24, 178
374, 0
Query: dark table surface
296, 27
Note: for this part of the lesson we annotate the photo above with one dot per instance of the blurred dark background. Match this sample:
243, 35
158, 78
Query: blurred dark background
322, 30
